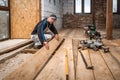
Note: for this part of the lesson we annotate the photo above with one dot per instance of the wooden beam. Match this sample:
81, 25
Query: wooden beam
16, 46
109, 19
68, 46
86, 58
29, 69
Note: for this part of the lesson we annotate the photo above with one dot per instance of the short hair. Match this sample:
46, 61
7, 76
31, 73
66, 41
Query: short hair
53, 16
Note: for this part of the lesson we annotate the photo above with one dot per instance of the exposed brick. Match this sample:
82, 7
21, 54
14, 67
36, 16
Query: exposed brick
74, 20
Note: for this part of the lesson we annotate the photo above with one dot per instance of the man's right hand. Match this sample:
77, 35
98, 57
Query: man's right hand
46, 45
57, 37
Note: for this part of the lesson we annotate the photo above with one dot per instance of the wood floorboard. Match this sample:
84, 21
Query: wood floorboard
101, 70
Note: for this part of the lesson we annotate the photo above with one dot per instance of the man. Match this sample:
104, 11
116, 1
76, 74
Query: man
40, 35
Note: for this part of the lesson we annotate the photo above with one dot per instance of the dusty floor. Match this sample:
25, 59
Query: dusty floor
14, 62
11, 64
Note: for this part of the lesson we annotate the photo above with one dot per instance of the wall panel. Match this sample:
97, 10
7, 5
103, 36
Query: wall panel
24, 16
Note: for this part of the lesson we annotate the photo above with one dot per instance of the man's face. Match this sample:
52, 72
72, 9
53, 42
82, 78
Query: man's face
51, 20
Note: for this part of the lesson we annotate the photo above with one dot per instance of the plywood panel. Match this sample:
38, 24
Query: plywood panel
24, 16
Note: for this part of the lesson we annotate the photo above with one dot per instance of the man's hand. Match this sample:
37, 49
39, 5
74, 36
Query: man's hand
57, 37
46, 45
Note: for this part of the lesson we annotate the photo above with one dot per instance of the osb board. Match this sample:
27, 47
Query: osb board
24, 16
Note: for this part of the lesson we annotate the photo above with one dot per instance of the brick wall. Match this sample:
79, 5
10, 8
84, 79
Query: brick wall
76, 20
99, 7
98, 16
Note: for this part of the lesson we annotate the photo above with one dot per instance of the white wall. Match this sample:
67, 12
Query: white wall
49, 7
68, 6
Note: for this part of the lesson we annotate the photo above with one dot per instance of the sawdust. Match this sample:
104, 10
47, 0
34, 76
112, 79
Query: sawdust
11, 64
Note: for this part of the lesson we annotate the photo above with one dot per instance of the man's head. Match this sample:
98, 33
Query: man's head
52, 18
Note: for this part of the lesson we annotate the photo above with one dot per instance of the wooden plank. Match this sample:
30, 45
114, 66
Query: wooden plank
109, 19
116, 42
68, 46
29, 51
11, 54
86, 58
29, 69
101, 71
82, 73
75, 53
113, 50
55, 69
115, 53
16, 46
112, 64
